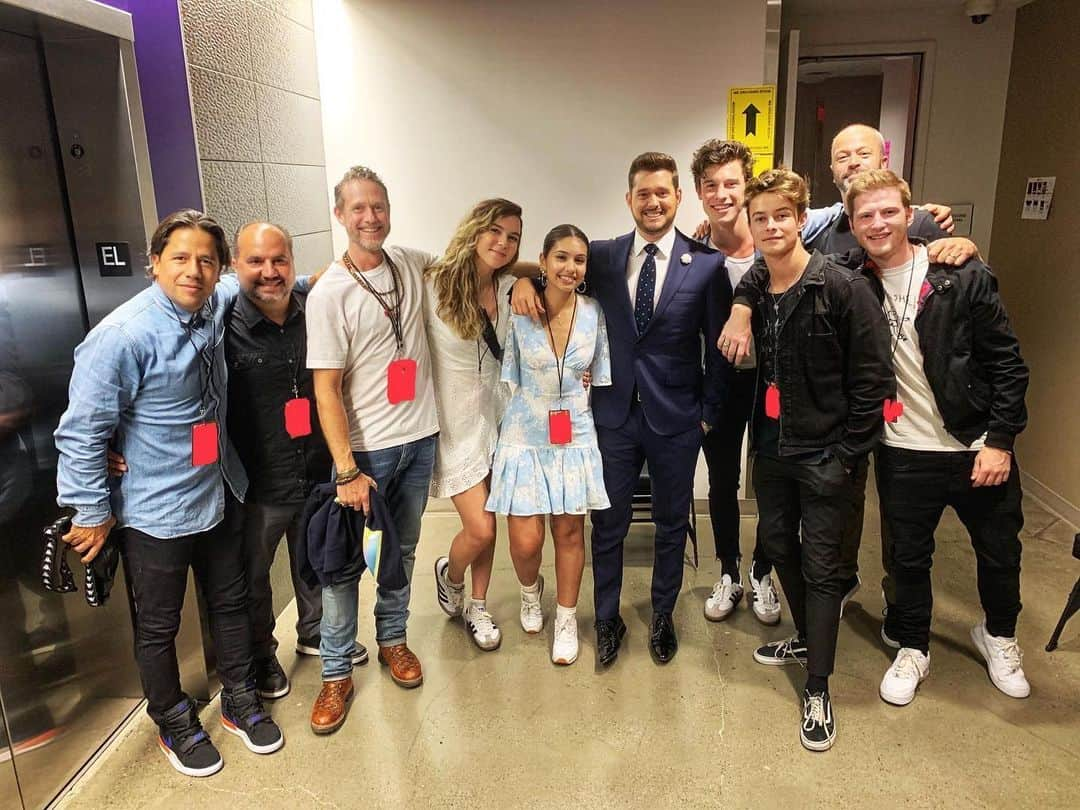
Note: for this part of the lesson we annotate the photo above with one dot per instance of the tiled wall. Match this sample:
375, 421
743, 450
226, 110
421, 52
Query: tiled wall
258, 121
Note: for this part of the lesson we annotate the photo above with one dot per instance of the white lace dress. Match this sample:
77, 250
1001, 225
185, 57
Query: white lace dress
468, 396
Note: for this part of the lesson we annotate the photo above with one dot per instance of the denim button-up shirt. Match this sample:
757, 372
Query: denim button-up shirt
139, 385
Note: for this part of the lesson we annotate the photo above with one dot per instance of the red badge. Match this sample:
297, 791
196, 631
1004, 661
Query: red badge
298, 417
401, 381
559, 431
893, 409
204, 444
772, 401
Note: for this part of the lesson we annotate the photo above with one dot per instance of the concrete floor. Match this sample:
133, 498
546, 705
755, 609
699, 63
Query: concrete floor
508, 729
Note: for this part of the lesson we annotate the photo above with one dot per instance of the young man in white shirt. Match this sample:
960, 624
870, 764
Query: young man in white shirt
948, 436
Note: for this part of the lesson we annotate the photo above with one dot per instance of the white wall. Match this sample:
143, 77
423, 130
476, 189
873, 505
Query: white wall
543, 103
961, 122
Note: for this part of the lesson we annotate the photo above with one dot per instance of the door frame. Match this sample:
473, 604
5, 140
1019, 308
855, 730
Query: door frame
926, 81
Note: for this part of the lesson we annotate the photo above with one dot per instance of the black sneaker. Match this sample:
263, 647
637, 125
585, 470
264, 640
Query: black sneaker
185, 744
309, 645
818, 731
270, 679
242, 713
778, 653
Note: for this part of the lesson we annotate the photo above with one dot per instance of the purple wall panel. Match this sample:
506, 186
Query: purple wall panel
163, 85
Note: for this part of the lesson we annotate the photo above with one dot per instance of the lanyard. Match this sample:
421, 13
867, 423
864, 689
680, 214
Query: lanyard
206, 355
396, 291
560, 365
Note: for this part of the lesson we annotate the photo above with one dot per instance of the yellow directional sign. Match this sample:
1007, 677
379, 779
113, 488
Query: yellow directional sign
752, 116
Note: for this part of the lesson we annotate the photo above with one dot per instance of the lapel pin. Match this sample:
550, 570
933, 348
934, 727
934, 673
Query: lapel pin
685, 258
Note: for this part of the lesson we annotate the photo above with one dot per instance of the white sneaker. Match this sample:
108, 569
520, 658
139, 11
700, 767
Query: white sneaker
451, 597
763, 599
485, 633
564, 650
725, 596
1003, 660
532, 617
904, 676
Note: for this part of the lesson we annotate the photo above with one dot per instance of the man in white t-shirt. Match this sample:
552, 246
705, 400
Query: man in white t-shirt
948, 436
372, 375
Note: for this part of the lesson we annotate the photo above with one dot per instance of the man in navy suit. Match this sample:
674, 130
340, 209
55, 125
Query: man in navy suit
661, 294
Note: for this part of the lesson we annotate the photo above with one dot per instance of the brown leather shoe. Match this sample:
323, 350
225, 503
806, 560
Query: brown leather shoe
404, 666
331, 706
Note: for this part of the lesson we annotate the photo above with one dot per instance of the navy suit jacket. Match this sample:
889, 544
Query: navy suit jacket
664, 364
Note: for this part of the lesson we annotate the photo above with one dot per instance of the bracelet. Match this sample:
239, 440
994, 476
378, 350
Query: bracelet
347, 476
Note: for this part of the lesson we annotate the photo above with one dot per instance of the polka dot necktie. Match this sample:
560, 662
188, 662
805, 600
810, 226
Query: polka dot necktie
646, 286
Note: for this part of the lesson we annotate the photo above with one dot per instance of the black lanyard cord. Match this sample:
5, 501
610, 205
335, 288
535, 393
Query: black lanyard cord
206, 355
397, 291
560, 365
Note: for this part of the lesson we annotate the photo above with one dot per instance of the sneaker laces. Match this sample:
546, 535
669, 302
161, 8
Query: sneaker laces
720, 592
785, 648
764, 591
906, 664
565, 625
814, 713
482, 622
1008, 651
531, 607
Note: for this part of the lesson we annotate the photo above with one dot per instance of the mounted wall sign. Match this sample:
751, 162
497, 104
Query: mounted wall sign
113, 258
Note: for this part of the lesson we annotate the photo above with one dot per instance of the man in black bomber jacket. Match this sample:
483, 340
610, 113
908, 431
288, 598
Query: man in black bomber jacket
948, 438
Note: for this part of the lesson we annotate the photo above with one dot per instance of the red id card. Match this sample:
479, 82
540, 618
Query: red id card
401, 381
298, 417
772, 401
204, 444
559, 431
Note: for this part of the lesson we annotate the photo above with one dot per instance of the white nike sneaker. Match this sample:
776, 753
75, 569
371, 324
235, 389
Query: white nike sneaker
726, 594
904, 676
564, 649
532, 617
1003, 661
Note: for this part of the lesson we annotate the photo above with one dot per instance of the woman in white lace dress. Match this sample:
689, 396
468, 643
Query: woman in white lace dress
466, 310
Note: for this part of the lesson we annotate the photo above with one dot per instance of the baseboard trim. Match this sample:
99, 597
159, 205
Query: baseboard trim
1064, 509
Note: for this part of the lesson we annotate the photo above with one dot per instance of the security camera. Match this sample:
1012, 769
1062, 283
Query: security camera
979, 10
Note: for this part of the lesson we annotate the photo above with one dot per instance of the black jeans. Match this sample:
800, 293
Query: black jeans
914, 488
264, 524
158, 571
723, 455
803, 510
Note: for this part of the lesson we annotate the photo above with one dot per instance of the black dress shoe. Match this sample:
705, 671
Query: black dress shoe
662, 640
609, 634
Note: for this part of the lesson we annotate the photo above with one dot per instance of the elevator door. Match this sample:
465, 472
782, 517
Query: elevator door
66, 677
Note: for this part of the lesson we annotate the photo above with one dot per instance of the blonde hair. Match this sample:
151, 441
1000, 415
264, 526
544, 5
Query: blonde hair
876, 180
784, 182
455, 278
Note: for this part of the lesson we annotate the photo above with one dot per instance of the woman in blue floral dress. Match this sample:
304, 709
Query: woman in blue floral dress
546, 460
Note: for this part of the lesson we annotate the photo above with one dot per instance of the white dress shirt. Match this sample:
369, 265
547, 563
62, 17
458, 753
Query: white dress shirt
664, 246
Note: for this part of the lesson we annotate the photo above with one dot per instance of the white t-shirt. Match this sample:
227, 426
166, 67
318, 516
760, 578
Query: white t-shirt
736, 268
347, 329
920, 426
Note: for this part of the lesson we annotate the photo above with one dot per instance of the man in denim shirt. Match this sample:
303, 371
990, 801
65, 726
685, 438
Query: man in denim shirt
150, 380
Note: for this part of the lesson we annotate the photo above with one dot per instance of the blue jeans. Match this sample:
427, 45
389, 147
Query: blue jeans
403, 475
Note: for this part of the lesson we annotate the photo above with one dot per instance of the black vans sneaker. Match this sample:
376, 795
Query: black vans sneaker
778, 653
818, 731
309, 645
185, 744
242, 713
270, 678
